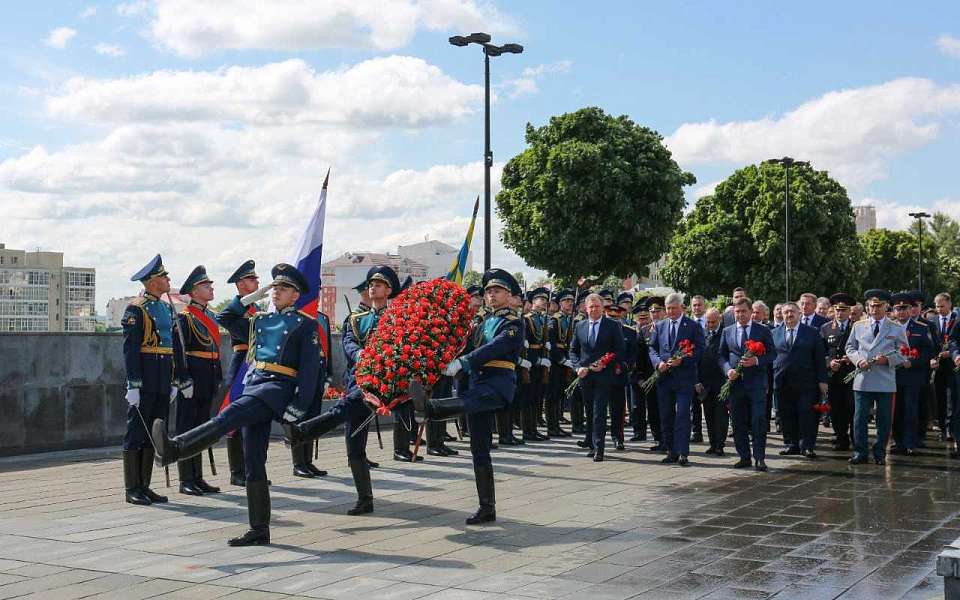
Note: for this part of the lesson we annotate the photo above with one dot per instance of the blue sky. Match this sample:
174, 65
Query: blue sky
867, 90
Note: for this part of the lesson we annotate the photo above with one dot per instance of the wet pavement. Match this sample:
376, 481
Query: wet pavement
628, 527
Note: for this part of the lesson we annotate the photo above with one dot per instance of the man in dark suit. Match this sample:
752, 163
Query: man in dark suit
711, 379
594, 337
808, 311
748, 396
728, 318
678, 376
944, 379
912, 376
800, 377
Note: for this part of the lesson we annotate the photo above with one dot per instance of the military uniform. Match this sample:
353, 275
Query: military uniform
285, 363
536, 324
911, 381
492, 369
643, 370
577, 408
201, 338
619, 395
559, 332
150, 351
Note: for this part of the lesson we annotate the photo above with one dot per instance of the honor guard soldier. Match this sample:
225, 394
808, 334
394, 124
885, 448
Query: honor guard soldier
491, 366
561, 373
283, 375
201, 338
577, 409
839, 394
537, 337
150, 349
361, 288
302, 454
235, 318
912, 376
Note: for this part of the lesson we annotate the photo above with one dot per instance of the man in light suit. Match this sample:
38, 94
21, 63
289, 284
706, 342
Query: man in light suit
873, 346
678, 376
748, 397
594, 337
800, 378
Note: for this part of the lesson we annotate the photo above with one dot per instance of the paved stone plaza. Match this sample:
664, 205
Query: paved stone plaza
568, 528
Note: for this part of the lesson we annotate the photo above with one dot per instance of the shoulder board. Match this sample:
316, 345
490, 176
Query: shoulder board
306, 315
359, 313
510, 317
858, 323
922, 324
630, 327
138, 301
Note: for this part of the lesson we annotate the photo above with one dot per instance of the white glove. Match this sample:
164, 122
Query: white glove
548, 345
187, 390
133, 397
453, 368
525, 364
173, 392
567, 363
545, 362
289, 417
526, 344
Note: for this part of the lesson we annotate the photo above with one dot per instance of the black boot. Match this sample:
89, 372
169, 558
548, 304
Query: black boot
308, 459
485, 492
235, 459
311, 428
258, 511
298, 451
198, 480
146, 474
186, 445
504, 432
131, 478
361, 479
188, 484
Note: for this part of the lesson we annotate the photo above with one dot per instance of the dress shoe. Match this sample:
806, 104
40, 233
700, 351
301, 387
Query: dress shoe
598, 457
436, 451
683, 462
880, 460
791, 451
302, 471
254, 537
405, 455
669, 459
372, 465
808, 454
509, 442
718, 452
190, 488
909, 452
760, 466
316, 472
206, 488
486, 514
362, 507
743, 463
638, 437
238, 479
592, 453
710, 450
658, 448
619, 445
858, 459
135, 496
697, 438
534, 436
583, 444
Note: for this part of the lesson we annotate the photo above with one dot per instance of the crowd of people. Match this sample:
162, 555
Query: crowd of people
533, 363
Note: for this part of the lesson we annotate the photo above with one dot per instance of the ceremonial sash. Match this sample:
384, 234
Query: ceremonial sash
212, 328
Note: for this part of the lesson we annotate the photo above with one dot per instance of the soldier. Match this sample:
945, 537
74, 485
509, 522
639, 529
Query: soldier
873, 346
285, 366
644, 369
536, 323
839, 394
912, 375
561, 374
618, 396
577, 409
235, 318
201, 338
301, 455
361, 288
153, 359
491, 366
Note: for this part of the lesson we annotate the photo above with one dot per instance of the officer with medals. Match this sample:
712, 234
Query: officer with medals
560, 332
235, 318
150, 351
839, 394
201, 339
644, 369
491, 366
531, 391
285, 363
912, 375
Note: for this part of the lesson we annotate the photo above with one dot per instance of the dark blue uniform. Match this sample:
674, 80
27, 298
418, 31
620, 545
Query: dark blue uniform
560, 334
235, 318
351, 409
532, 387
618, 396
910, 384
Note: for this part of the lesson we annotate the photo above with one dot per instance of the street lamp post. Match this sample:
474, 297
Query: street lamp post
920, 216
488, 50
787, 162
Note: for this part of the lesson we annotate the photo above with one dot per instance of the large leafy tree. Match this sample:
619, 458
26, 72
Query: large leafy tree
735, 236
890, 261
591, 194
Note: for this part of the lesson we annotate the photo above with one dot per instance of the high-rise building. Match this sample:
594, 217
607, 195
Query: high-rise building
37, 293
866, 217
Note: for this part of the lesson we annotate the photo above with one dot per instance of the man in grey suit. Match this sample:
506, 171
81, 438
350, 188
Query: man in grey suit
874, 347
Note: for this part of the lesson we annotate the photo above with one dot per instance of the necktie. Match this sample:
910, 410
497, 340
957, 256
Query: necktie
943, 325
876, 328
790, 338
743, 336
673, 333
806, 320
593, 332
700, 322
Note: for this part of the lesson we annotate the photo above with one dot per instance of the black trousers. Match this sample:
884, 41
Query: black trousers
696, 416
840, 396
798, 417
716, 415
943, 382
618, 410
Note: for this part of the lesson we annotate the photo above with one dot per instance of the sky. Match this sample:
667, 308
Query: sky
203, 130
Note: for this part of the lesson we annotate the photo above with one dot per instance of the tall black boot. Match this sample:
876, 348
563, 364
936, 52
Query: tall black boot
298, 456
530, 432
238, 469
188, 478
146, 474
131, 478
198, 480
311, 428
187, 444
485, 492
258, 511
308, 448
361, 479
504, 432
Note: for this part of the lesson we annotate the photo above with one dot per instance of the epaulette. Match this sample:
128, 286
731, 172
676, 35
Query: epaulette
138, 301
630, 327
921, 323
507, 313
309, 316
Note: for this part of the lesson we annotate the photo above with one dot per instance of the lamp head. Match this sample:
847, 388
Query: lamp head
512, 48
492, 50
478, 38
459, 40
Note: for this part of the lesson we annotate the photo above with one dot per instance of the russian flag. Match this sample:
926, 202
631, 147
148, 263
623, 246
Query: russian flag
307, 259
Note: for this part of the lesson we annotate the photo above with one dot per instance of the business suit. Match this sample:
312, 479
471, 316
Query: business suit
590, 343
944, 379
797, 371
911, 383
814, 320
748, 395
675, 386
711, 377
876, 385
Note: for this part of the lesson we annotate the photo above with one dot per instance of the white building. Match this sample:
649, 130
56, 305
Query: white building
343, 273
435, 255
866, 218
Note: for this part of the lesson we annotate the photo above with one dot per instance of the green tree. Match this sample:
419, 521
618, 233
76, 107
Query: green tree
735, 236
472, 278
591, 194
890, 261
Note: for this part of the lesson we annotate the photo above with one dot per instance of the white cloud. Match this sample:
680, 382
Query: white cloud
853, 133
193, 29
108, 50
704, 190
526, 84
389, 91
892, 214
88, 12
949, 45
59, 37
132, 9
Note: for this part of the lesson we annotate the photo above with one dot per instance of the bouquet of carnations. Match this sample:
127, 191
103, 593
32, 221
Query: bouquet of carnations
853, 374
601, 362
754, 349
822, 407
332, 393
684, 350
908, 353
421, 331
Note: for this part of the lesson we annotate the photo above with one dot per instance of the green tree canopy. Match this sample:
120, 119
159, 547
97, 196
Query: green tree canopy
591, 194
735, 236
890, 261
